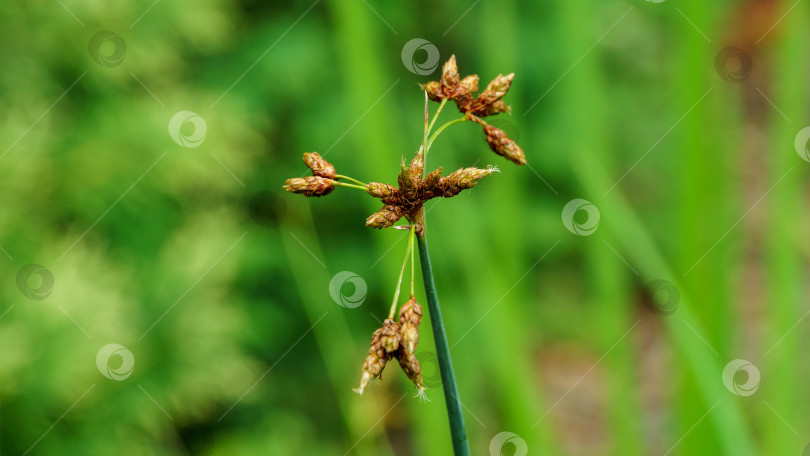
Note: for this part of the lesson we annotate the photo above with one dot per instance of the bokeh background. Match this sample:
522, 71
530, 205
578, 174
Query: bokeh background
603, 329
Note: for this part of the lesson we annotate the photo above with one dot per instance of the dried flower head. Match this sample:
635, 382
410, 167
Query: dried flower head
410, 365
385, 217
496, 90
488, 103
500, 143
463, 179
415, 185
310, 185
379, 190
375, 361
318, 165
410, 316
449, 76
434, 90
390, 336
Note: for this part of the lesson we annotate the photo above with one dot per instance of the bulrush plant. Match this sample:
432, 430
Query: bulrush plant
398, 338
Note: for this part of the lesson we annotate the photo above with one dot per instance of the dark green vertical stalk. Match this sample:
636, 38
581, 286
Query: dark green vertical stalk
451, 398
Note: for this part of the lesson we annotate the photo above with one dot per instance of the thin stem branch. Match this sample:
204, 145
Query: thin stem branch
441, 129
343, 184
408, 252
413, 261
451, 398
429, 128
438, 111
340, 176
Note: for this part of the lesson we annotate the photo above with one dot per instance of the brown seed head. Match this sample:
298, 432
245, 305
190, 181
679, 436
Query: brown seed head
406, 179
410, 316
468, 85
417, 166
500, 143
310, 185
492, 109
449, 76
434, 90
496, 89
375, 361
390, 337
432, 178
318, 165
386, 217
410, 365
379, 190
463, 179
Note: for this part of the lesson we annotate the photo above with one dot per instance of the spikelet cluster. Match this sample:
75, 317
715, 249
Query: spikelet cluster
396, 340
320, 183
415, 186
488, 103
414, 190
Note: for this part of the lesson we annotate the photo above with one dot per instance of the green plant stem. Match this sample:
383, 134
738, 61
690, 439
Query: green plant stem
436, 116
408, 252
451, 398
343, 184
340, 176
413, 262
441, 129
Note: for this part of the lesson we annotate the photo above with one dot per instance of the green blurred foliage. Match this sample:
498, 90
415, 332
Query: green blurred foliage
218, 283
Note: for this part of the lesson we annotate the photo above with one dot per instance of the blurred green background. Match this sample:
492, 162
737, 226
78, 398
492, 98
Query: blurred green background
215, 284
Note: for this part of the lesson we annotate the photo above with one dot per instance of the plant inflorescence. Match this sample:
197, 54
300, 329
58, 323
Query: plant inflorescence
399, 338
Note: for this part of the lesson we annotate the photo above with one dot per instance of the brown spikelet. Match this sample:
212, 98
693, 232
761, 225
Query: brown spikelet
417, 166
495, 90
375, 361
386, 217
498, 107
410, 316
390, 336
467, 86
318, 165
450, 76
500, 143
379, 190
310, 185
463, 179
434, 90
410, 365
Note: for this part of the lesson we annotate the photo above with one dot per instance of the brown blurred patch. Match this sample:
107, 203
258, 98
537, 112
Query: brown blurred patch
578, 417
